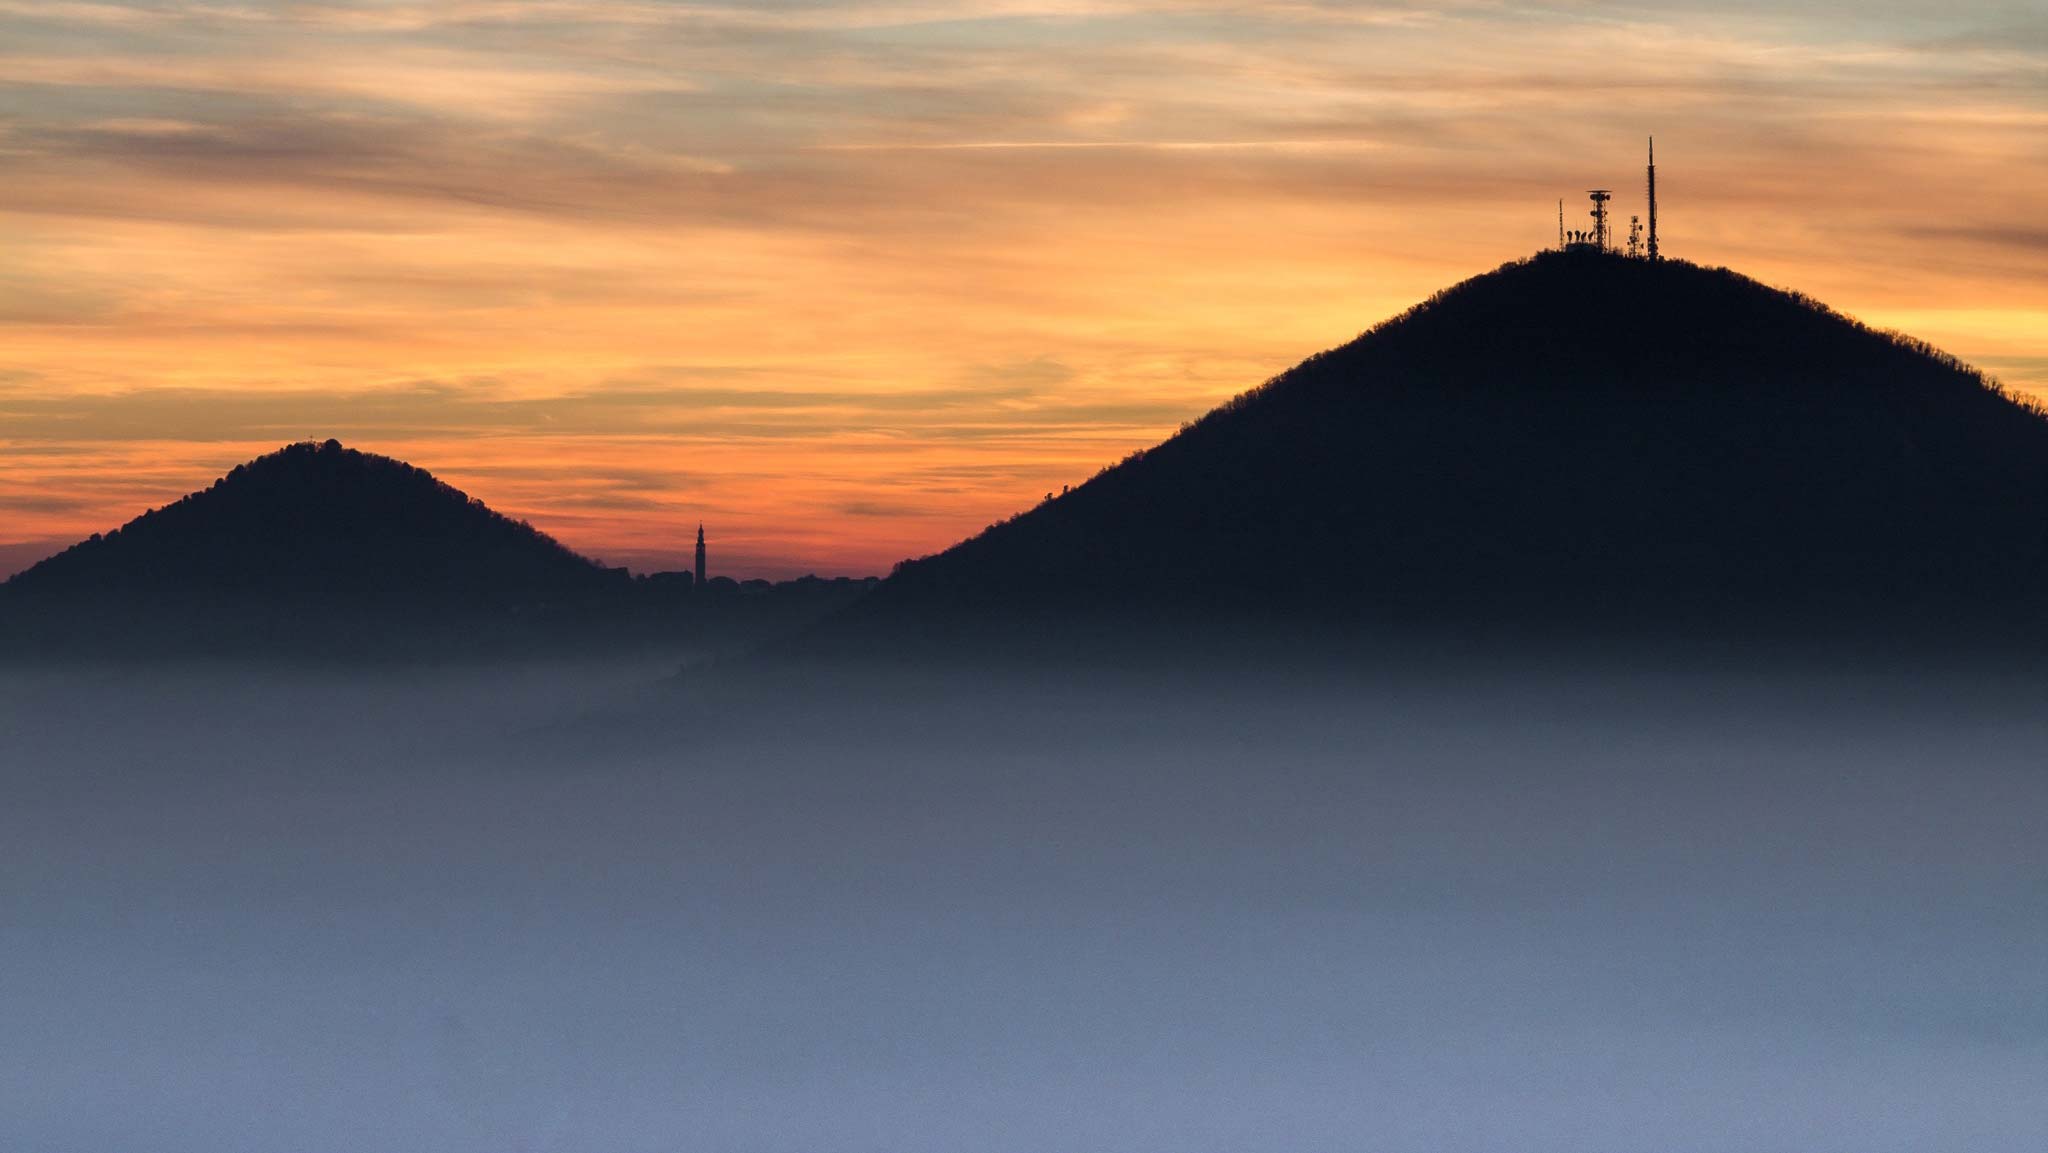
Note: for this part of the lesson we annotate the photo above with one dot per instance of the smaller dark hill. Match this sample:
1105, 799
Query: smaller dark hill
322, 525
319, 553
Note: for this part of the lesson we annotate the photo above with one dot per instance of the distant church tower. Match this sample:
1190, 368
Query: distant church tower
700, 556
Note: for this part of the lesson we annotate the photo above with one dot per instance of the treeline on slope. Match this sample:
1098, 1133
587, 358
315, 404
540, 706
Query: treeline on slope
1568, 437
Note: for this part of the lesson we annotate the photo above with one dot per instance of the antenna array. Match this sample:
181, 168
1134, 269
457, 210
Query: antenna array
1600, 238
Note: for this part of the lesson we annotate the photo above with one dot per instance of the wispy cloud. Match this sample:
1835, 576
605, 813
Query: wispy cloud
853, 260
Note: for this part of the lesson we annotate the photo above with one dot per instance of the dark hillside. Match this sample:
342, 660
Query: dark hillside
318, 552
1574, 440
322, 524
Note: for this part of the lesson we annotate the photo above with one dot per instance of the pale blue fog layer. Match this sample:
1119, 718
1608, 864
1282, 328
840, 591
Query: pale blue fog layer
569, 909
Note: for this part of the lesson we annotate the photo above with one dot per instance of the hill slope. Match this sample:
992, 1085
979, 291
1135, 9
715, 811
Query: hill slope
321, 524
319, 552
1573, 439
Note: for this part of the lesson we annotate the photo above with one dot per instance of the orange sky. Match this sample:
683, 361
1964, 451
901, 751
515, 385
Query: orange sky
847, 281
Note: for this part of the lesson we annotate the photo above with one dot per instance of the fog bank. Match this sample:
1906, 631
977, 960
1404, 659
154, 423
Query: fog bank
565, 908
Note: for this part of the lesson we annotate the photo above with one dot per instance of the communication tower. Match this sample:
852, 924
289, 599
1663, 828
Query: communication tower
1651, 250
1600, 197
1641, 243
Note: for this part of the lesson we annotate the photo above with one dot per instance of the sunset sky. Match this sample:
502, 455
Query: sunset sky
846, 281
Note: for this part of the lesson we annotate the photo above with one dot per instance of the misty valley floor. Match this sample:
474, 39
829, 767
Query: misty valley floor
1595, 909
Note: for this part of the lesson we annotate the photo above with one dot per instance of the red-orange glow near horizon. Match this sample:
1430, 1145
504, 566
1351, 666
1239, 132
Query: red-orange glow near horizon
846, 282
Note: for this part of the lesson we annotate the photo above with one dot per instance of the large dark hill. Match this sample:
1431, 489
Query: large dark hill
1574, 441
320, 524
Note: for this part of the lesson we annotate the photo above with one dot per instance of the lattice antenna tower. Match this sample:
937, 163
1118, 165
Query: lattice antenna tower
1651, 250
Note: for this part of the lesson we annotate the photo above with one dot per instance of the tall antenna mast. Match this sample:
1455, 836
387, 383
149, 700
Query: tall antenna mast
1560, 224
1652, 247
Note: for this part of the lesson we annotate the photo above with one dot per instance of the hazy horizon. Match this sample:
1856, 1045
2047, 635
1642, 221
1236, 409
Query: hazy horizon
1406, 681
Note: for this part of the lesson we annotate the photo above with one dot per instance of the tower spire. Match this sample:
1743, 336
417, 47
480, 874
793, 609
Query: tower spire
1651, 249
700, 554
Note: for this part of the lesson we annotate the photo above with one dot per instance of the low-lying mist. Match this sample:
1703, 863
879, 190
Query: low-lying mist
1585, 908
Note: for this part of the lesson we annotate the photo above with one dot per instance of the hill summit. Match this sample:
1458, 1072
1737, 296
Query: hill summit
1577, 439
320, 524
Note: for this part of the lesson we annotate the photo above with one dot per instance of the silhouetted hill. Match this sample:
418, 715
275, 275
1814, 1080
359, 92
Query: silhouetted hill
327, 525
1570, 441
322, 551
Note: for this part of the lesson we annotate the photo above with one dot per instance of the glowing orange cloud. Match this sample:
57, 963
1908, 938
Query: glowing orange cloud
847, 281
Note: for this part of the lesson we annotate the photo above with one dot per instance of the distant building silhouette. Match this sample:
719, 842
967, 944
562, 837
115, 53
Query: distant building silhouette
700, 555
